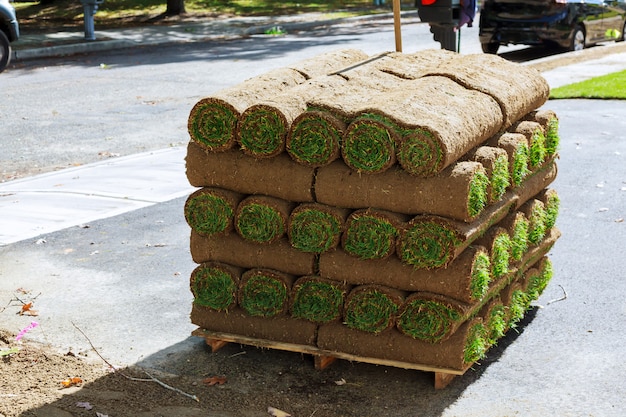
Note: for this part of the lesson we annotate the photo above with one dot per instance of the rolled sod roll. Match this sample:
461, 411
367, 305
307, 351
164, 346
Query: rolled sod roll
466, 278
234, 250
314, 138
266, 330
535, 212
369, 144
517, 301
517, 225
233, 170
316, 228
518, 89
459, 192
263, 127
214, 285
407, 66
456, 354
496, 163
535, 135
535, 253
536, 182
498, 243
550, 123
433, 241
372, 308
262, 219
264, 292
211, 210
494, 319
317, 299
371, 233
430, 317
516, 146
213, 120
552, 203
436, 120
538, 278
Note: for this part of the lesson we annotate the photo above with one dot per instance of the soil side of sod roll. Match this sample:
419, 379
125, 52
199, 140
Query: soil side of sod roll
465, 279
234, 250
279, 177
449, 194
235, 321
393, 345
517, 89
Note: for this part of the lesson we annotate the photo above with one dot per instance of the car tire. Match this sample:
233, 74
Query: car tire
579, 39
5, 51
622, 36
490, 47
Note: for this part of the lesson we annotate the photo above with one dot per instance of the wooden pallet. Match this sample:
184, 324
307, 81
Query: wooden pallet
322, 358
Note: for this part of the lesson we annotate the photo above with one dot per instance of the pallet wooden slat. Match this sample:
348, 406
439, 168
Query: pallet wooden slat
323, 358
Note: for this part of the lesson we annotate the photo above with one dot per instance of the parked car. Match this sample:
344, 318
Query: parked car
9, 32
571, 24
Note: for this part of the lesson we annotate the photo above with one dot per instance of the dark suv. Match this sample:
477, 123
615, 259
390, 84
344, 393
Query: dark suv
571, 24
9, 32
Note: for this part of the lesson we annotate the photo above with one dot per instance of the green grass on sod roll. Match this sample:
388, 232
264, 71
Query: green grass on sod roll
500, 177
501, 255
312, 230
419, 153
260, 223
537, 151
481, 275
552, 136
318, 301
520, 301
519, 237
476, 343
370, 237
496, 324
368, 146
427, 320
213, 287
427, 245
212, 125
208, 213
314, 141
370, 311
263, 295
477, 199
537, 283
261, 132
520, 165
552, 205
537, 219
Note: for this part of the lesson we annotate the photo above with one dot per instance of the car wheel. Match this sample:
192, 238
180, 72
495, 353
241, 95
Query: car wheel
578, 39
5, 51
490, 47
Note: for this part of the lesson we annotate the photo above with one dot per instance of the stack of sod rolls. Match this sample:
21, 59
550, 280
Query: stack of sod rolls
393, 207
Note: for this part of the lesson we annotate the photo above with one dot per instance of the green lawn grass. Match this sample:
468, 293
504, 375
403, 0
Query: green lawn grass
610, 86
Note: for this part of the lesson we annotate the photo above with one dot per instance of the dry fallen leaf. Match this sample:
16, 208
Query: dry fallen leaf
341, 382
277, 413
215, 380
71, 381
27, 310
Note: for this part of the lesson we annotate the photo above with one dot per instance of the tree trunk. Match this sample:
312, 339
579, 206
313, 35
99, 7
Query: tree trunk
175, 7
